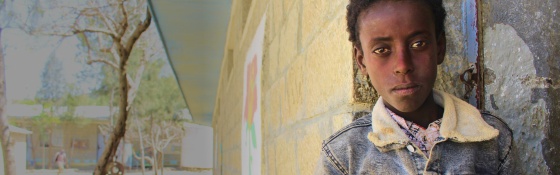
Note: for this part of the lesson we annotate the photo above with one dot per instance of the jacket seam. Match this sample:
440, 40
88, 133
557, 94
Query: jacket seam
362, 122
502, 161
355, 124
333, 160
501, 168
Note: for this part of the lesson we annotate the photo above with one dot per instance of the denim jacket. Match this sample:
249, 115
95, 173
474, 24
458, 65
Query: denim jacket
474, 143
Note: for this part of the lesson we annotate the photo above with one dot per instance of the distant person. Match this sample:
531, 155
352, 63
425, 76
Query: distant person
60, 159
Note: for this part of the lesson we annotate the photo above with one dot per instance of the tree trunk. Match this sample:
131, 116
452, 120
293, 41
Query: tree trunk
44, 149
155, 162
119, 130
154, 150
71, 151
111, 112
33, 153
7, 152
50, 154
123, 143
141, 147
144, 158
162, 162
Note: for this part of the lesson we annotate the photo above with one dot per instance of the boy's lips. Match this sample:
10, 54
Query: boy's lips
406, 89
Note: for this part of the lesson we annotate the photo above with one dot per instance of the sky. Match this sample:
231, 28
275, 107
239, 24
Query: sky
26, 55
25, 58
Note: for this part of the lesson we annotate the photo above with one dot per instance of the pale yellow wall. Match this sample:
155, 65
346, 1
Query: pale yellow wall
19, 150
69, 130
310, 84
307, 83
19, 145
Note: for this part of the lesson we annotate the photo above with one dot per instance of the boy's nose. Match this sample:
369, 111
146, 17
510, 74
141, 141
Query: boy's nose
403, 62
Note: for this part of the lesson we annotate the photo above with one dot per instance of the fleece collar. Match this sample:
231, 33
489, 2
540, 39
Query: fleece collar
461, 123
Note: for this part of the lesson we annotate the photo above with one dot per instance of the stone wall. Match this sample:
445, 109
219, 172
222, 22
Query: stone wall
521, 56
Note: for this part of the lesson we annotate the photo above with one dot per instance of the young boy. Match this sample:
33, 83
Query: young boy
412, 129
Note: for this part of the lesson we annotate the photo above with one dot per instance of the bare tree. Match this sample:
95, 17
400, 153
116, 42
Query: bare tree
156, 134
161, 135
142, 156
109, 30
122, 47
7, 152
9, 162
121, 51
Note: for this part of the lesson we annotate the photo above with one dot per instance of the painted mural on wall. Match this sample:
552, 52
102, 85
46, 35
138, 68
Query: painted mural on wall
251, 121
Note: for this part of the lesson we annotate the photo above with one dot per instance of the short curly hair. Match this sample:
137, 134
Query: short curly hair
355, 7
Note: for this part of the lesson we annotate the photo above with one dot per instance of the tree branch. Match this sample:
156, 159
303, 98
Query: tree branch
113, 65
94, 30
124, 22
102, 48
109, 22
74, 31
149, 159
139, 30
114, 51
158, 133
87, 45
91, 60
94, 12
135, 84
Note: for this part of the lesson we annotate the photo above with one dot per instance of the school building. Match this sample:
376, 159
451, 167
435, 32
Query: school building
83, 140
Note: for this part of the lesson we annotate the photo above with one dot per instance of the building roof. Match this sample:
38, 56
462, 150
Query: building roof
16, 129
20, 110
194, 35
93, 112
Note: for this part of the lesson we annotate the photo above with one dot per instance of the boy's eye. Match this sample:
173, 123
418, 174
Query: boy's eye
381, 50
418, 44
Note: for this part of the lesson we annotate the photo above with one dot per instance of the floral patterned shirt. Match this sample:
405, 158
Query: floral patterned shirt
423, 138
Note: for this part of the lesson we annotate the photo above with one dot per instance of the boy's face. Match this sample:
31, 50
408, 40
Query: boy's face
400, 52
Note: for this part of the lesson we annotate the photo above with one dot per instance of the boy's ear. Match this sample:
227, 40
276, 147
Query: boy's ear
441, 43
359, 57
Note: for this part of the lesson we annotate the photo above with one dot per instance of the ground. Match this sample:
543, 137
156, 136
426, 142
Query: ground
133, 172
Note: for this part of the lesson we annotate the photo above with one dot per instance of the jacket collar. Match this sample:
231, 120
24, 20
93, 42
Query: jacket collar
461, 122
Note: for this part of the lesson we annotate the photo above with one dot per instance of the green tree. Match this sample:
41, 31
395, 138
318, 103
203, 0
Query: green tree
51, 95
45, 122
53, 84
157, 120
